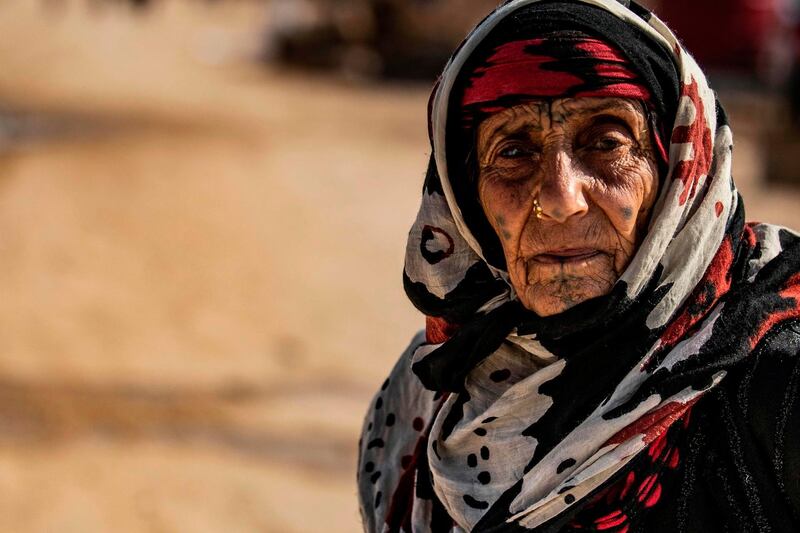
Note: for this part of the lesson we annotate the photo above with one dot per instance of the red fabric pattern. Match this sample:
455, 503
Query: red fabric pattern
438, 330
791, 291
514, 70
653, 424
402, 500
699, 135
714, 285
617, 503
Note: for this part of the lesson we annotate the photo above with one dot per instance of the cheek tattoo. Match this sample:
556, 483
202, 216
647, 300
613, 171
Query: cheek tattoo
501, 224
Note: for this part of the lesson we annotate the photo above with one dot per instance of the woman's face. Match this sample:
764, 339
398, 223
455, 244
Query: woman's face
590, 164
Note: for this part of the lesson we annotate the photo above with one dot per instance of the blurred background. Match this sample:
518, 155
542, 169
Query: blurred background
203, 211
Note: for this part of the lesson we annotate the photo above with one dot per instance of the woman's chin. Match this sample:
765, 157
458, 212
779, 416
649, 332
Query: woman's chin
559, 295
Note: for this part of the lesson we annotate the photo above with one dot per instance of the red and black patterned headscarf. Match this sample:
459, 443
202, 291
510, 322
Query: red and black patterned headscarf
562, 64
555, 66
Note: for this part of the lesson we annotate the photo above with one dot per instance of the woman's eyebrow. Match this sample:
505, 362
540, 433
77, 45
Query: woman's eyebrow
516, 128
517, 135
607, 118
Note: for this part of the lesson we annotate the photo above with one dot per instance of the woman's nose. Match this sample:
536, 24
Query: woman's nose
561, 193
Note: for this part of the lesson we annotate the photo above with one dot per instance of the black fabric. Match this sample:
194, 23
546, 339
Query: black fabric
740, 467
469, 346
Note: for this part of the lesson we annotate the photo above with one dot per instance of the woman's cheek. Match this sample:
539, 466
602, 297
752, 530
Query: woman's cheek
510, 192
625, 213
498, 220
515, 200
626, 196
508, 205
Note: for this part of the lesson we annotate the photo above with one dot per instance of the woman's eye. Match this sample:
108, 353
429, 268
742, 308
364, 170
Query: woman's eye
606, 145
512, 152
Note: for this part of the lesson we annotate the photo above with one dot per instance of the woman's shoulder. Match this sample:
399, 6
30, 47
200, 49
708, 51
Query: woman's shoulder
742, 451
394, 427
764, 388
769, 375
401, 393
760, 407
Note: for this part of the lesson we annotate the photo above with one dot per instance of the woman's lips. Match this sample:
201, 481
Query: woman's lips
566, 255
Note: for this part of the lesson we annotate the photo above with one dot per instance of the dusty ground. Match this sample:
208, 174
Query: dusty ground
200, 266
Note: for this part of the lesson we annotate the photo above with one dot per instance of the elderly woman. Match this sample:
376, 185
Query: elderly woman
609, 346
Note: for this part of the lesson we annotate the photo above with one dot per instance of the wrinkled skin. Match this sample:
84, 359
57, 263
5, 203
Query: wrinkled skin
590, 163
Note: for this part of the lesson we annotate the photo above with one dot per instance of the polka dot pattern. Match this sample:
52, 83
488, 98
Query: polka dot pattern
499, 376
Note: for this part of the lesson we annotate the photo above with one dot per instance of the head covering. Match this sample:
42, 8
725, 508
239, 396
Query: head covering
497, 419
561, 64
564, 64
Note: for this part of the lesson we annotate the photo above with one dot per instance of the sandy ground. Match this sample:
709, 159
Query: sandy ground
200, 263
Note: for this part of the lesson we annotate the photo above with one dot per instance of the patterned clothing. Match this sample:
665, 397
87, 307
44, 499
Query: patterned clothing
629, 412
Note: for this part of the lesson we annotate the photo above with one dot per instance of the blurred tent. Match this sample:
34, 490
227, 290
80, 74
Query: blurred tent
375, 38
750, 38
750, 45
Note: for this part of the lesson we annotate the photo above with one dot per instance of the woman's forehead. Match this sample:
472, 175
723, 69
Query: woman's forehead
547, 112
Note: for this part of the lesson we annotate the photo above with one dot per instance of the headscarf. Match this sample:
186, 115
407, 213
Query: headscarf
496, 419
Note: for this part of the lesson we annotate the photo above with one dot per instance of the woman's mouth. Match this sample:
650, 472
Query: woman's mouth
566, 255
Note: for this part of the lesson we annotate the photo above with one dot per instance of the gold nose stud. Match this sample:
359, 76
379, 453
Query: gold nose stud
537, 209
